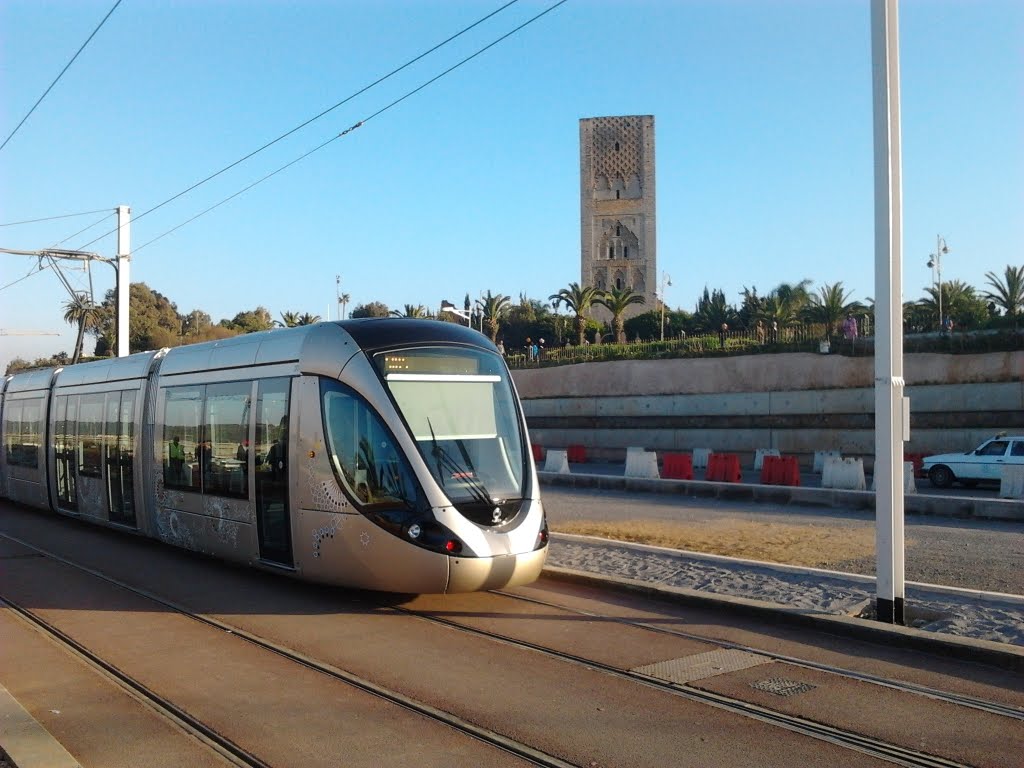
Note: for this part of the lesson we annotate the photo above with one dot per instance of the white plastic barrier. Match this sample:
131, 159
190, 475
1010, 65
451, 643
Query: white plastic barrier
843, 474
557, 461
909, 485
760, 453
819, 459
1011, 483
700, 458
641, 463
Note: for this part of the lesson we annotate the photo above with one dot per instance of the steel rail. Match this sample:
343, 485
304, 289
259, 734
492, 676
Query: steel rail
959, 699
484, 735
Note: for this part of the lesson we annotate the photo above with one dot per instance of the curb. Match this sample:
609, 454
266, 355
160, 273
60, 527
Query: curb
993, 654
941, 506
25, 741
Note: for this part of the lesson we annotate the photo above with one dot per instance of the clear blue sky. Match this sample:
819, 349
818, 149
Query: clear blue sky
763, 130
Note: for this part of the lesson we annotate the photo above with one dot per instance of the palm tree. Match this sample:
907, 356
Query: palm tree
829, 306
616, 301
418, 311
579, 300
288, 320
1008, 294
81, 311
713, 311
493, 308
344, 299
308, 319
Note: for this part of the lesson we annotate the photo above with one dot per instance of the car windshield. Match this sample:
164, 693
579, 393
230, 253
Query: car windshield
460, 408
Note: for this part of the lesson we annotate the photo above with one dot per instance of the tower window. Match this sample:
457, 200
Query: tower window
616, 146
611, 252
618, 231
625, 251
617, 194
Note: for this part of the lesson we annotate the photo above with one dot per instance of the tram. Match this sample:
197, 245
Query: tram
382, 454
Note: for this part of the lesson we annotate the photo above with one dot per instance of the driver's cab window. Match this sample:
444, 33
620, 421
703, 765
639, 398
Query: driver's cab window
994, 448
363, 450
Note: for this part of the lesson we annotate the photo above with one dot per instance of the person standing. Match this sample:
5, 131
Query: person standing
176, 455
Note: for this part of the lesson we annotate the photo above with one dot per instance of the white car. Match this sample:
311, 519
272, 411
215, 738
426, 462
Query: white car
985, 462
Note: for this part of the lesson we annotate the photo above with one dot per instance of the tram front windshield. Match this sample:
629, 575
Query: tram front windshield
460, 407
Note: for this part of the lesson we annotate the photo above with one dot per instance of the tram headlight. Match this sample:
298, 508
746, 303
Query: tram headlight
414, 531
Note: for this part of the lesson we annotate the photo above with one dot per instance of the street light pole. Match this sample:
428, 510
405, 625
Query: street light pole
935, 262
665, 279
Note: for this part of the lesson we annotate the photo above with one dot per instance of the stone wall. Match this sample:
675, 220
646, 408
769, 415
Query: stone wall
798, 403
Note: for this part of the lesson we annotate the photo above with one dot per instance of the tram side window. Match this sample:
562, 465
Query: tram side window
24, 432
182, 419
363, 451
90, 434
226, 452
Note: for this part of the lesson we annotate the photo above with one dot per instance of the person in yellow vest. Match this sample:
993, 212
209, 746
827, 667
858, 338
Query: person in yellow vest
176, 454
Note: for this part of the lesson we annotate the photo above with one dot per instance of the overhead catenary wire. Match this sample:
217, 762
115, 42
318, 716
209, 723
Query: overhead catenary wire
53, 218
66, 66
353, 127
299, 127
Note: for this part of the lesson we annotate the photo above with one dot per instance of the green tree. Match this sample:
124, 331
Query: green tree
579, 300
960, 303
1008, 293
252, 321
373, 309
617, 301
307, 319
196, 323
493, 308
417, 312
344, 299
713, 311
829, 306
288, 320
153, 321
82, 312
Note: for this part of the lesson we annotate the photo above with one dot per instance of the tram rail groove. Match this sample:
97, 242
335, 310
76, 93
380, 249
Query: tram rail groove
865, 744
837, 736
208, 737
959, 699
484, 735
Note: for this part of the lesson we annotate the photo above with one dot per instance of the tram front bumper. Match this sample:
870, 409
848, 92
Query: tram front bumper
472, 574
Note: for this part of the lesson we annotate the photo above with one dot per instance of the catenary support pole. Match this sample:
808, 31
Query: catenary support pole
124, 246
891, 412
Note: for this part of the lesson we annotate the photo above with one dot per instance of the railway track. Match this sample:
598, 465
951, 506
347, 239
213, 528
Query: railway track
234, 753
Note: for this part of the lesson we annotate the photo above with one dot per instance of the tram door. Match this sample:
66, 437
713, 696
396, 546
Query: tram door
119, 445
64, 462
273, 519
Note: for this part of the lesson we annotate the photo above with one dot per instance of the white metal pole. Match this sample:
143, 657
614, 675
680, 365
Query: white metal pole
124, 259
891, 412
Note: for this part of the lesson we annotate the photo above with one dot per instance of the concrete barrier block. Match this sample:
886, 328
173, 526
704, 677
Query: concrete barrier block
760, 453
821, 456
909, 484
843, 474
557, 461
700, 458
641, 463
1011, 483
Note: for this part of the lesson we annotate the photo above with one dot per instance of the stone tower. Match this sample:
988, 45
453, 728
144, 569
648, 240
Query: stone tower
617, 207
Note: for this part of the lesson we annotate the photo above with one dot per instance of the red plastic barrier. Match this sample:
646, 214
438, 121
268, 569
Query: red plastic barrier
538, 452
918, 461
677, 466
780, 470
723, 468
577, 454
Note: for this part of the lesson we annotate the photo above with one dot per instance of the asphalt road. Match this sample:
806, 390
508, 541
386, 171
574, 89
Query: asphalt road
972, 554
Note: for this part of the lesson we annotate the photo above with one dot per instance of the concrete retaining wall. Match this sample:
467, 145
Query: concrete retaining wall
796, 403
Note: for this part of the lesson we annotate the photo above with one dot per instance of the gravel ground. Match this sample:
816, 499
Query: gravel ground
969, 556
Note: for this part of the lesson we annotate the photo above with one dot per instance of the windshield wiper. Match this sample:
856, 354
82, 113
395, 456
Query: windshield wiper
445, 463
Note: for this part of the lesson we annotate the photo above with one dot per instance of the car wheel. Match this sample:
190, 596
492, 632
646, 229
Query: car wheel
941, 476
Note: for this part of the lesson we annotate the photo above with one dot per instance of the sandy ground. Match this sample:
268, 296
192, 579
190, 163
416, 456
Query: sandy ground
967, 613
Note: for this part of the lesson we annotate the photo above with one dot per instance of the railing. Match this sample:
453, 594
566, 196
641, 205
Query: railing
801, 338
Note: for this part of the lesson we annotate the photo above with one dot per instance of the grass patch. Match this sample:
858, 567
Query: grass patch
816, 546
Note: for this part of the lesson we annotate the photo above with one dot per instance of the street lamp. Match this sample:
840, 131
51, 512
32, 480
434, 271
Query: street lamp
665, 280
935, 262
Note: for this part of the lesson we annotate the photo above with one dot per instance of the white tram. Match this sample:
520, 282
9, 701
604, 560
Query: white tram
384, 454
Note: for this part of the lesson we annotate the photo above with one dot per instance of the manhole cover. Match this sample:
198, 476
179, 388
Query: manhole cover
702, 665
781, 687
